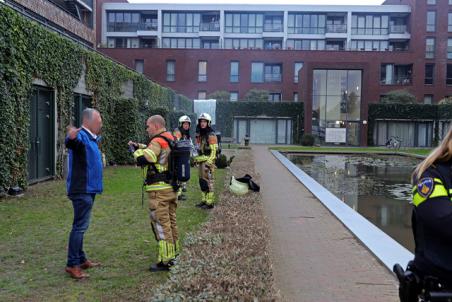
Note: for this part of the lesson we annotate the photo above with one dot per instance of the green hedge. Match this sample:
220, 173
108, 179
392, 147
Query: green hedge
226, 111
29, 50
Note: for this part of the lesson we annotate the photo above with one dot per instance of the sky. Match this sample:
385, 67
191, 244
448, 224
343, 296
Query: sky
331, 2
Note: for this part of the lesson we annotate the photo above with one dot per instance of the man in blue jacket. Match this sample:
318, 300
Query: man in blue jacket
84, 181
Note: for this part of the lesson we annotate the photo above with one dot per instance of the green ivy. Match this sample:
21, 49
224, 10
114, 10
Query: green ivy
27, 51
225, 112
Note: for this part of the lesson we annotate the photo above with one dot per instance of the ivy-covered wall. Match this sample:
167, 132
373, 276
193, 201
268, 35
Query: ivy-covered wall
407, 112
27, 51
226, 111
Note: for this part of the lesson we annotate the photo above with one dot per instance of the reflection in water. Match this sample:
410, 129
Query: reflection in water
378, 187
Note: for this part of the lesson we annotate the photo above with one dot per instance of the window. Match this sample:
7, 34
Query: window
449, 48
297, 68
251, 23
295, 97
429, 48
181, 43
370, 24
370, 45
243, 43
257, 72
428, 99
306, 44
122, 21
202, 71
139, 66
306, 23
210, 44
431, 2
170, 71
272, 72
273, 23
234, 74
233, 96
449, 22
429, 70
202, 95
449, 74
181, 22
450, 2
274, 97
431, 21
392, 74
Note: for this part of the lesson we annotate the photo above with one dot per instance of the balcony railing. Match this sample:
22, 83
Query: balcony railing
398, 29
209, 26
272, 77
273, 28
336, 28
152, 26
400, 80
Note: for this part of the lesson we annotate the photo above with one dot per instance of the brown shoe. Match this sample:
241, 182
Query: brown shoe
76, 273
89, 264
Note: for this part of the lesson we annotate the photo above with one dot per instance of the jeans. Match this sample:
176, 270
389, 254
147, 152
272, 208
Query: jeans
82, 203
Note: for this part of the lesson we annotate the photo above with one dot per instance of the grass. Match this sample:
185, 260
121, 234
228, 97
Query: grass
35, 230
416, 151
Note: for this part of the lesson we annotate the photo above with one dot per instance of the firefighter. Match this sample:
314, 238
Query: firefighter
207, 145
162, 197
432, 226
182, 132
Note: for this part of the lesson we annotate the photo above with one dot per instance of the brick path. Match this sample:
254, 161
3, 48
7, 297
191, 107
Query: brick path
315, 258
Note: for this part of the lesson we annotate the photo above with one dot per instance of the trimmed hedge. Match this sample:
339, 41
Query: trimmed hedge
226, 111
27, 51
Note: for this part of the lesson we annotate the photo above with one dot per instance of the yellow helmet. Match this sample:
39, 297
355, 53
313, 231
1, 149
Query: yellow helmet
237, 187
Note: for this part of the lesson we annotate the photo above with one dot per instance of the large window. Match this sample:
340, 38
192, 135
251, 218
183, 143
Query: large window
273, 22
123, 43
272, 72
413, 134
202, 71
370, 24
449, 48
336, 100
122, 21
429, 48
449, 22
243, 43
429, 71
449, 74
170, 71
369, 45
274, 97
181, 22
234, 76
431, 2
257, 72
244, 23
296, 71
395, 74
181, 43
306, 44
431, 21
299, 23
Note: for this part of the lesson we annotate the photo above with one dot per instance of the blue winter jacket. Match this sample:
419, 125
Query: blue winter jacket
84, 164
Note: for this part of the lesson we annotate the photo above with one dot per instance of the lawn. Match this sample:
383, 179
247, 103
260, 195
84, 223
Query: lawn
35, 230
416, 151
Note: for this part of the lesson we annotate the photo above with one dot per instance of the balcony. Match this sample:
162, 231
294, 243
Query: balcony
209, 26
273, 28
336, 28
402, 80
272, 77
398, 29
148, 26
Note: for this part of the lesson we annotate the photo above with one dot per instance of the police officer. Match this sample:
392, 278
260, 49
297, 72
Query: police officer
182, 132
162, 197
432, 215
206, 141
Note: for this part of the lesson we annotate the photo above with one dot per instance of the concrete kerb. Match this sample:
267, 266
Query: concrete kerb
386, 249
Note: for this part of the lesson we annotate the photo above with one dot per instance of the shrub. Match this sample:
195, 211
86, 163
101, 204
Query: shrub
307, 140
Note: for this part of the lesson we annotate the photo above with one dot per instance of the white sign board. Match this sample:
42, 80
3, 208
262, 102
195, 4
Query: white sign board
335, 135
206, 106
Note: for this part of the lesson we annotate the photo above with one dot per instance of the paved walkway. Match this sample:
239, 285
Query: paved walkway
315, 258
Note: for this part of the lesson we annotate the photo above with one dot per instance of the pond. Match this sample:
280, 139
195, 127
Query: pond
376, 186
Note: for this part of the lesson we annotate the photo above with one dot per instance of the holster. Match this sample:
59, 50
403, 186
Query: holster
409, 283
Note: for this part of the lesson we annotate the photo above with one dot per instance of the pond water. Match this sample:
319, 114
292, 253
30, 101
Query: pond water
376, 186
